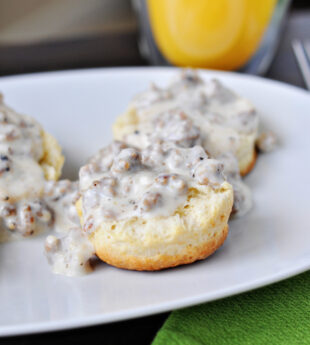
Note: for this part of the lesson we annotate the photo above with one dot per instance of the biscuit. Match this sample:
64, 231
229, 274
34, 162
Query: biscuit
29, 157
226, 121
52, 159
160, 238
195, 231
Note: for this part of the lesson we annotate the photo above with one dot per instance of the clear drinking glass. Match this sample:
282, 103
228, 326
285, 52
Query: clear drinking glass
219, 34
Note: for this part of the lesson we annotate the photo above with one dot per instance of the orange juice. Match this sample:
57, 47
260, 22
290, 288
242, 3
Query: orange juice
219, 34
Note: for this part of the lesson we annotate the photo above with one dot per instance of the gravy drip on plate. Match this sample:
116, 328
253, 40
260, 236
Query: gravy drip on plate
242, 193
68, 249
266, 142
123, 182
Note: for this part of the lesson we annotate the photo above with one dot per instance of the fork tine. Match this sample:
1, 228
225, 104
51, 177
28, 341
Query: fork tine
302, 61
307, 50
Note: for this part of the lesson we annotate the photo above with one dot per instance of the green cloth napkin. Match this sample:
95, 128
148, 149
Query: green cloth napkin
276, 314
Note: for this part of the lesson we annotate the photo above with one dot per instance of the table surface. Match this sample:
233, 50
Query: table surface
92, 52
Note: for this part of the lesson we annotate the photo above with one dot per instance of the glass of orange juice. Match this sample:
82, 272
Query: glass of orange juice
217, 34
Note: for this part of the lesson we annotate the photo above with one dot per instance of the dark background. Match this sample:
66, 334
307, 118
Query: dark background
121, 50
301, 3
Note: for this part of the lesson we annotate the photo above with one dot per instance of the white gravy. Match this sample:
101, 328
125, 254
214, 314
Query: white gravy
123, 182
221, 116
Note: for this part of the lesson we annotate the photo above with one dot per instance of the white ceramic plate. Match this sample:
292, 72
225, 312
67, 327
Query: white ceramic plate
269, 244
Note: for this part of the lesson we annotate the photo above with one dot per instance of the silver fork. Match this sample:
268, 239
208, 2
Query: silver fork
302, 54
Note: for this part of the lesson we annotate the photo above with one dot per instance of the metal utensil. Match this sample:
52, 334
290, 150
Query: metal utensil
302, 54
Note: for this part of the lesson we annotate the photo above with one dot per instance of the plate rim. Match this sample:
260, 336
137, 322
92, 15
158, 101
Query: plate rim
93, 320
132, 69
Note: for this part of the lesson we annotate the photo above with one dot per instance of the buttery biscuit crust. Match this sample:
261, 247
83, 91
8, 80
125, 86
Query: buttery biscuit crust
195, 231
250, 166
52, 160
158, 262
